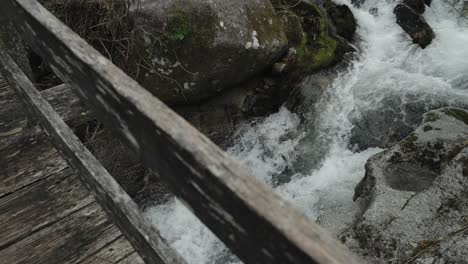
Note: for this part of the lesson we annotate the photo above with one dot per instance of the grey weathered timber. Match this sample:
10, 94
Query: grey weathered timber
255, 223
24, 150
37, 215
113, 199
61, 98
26, 159
30, 209
69, 240
118, 250
132, 259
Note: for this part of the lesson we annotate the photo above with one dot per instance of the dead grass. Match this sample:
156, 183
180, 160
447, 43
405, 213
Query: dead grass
104, 24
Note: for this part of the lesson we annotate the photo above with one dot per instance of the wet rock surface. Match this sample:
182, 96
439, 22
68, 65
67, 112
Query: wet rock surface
414, 25
419, 6
397, 117
412, 204
344, 20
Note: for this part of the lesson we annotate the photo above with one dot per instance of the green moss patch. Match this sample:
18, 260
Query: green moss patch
459, 114
431, 117
292, 27
180, 25
317, 48
408, 144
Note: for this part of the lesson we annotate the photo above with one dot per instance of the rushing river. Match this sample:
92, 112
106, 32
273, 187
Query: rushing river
387, 65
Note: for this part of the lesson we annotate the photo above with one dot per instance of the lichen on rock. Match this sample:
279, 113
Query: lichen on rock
192, 50
412, 206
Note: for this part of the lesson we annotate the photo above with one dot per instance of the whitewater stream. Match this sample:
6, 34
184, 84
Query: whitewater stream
387, 65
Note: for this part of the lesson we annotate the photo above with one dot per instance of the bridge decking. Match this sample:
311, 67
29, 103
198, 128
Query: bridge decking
46, 214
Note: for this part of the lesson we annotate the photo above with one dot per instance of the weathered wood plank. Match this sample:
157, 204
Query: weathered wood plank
255, 223
132, 259
120, 207
62, 99
116, 251
12, 118
27, 158
39, 205
69, 240
67, 105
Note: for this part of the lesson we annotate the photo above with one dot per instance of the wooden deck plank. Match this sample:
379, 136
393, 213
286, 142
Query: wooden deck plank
61, 97
109, 194
10, 117
69, 240
13, 119
132, 259
118, 250
49, 217
26, 156
28, 159
40, 205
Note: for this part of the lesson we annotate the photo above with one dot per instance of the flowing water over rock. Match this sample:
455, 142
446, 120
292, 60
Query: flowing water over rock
372, 104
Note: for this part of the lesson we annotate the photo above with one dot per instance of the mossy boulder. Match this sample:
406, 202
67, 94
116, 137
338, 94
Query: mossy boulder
312, 38
191, 50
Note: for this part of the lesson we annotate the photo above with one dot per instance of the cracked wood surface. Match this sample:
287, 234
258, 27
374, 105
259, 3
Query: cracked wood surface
108, 193
46, 214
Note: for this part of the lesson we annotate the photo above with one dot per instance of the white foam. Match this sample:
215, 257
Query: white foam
388, 64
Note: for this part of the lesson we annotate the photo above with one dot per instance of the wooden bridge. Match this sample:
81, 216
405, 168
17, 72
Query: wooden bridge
59, 205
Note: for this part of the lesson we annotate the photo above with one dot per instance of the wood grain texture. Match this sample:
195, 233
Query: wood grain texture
26, 155
113, 199
115, 252
27, 158
132, 259
63, 100
255, 223
38, 205
68, 240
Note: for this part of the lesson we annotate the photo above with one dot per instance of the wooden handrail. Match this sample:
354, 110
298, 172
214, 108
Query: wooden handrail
113, 199
244, 213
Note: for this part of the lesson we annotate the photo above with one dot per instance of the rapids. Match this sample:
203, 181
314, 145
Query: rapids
386, 65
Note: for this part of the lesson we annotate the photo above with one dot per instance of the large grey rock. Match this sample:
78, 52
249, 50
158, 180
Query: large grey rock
194, 49
412, 203
395, 118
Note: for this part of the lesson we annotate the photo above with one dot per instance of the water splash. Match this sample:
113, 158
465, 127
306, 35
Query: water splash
388, 65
